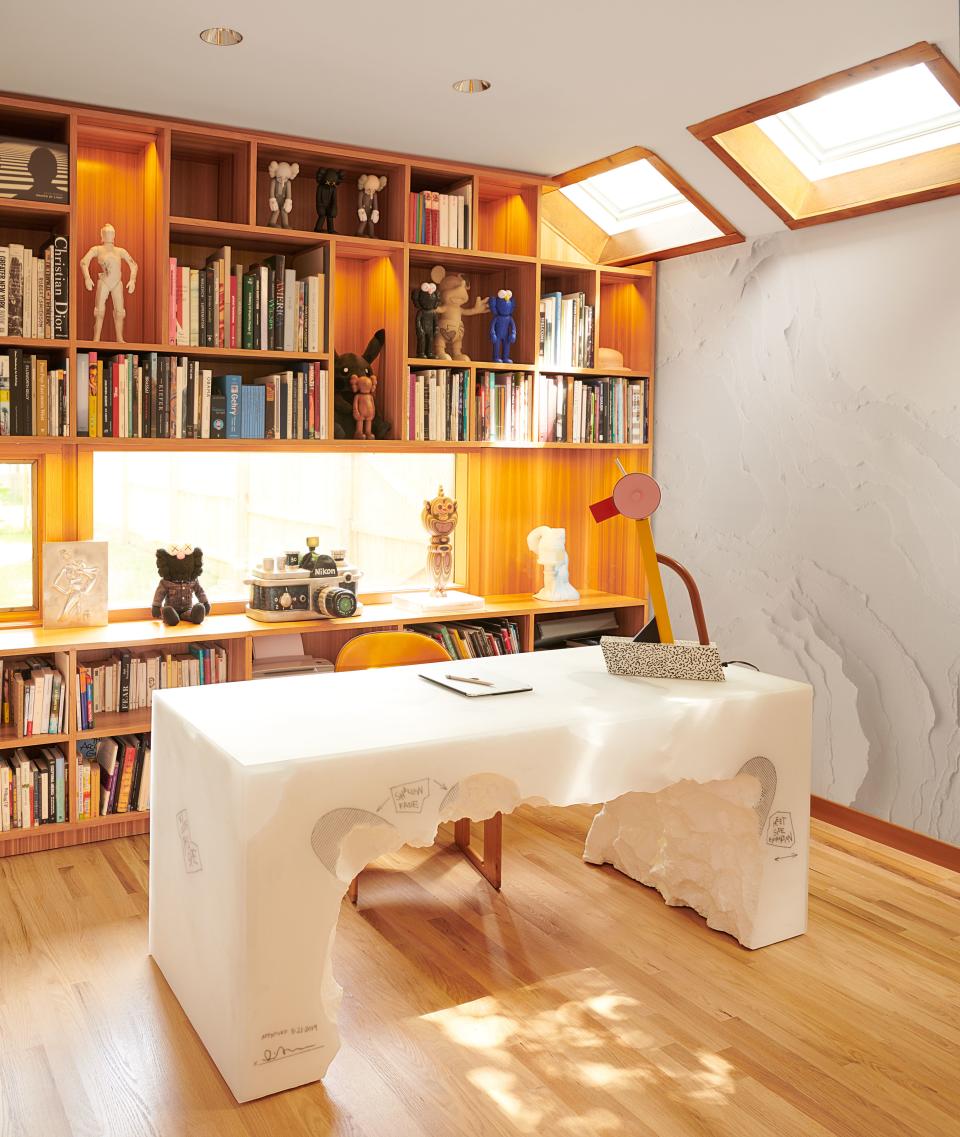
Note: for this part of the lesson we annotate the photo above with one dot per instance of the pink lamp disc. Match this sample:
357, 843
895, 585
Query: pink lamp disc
636, 496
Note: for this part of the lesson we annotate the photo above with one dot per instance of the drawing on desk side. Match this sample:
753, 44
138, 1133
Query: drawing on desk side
191, 852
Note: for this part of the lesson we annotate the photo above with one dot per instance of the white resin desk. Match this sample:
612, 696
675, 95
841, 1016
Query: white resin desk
268, 797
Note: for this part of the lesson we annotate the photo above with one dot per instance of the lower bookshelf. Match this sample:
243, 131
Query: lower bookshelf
69, 650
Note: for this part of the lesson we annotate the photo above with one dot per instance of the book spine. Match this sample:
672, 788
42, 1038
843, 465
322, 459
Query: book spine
61, 288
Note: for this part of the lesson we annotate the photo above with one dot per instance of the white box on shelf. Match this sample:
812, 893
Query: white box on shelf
426, 602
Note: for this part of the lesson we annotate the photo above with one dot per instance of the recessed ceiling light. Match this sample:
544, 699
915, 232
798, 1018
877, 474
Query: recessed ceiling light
472, 86
220, 37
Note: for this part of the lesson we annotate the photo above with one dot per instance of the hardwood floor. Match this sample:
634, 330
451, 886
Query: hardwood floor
574, 1004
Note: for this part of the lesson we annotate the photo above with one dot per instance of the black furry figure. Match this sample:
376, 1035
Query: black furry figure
179, 567
346, 367
327, 182
426, 300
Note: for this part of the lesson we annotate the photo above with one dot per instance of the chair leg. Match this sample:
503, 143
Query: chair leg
490, 865
354, 889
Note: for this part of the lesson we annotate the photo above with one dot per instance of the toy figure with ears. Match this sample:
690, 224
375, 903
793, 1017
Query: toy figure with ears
368, 204
281, 192
180, 567
352, 396
454, 293
327, 182
425, 300
503, 327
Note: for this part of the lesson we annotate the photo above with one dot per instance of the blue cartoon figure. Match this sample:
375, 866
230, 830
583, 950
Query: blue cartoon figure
503, 328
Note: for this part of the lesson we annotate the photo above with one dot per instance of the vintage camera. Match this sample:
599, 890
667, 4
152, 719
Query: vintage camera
317, 586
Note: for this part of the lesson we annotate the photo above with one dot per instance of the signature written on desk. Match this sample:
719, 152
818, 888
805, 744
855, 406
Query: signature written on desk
278, 1053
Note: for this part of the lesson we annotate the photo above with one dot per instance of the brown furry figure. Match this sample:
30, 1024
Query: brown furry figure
179, 567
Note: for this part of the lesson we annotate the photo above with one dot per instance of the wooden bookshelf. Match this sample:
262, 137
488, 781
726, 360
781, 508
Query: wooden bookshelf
173, 187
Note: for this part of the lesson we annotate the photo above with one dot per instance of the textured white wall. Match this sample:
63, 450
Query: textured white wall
808, 444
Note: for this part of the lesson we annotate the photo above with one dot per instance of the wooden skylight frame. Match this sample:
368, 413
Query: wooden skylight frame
626, 248
799, 201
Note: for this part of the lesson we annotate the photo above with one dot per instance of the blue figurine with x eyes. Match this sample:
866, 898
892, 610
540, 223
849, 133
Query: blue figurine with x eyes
503, 327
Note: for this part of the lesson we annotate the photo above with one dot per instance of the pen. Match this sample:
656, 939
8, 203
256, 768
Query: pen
469, 679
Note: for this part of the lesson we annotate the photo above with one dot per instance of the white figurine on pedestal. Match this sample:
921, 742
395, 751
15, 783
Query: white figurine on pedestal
110, 258
550, 548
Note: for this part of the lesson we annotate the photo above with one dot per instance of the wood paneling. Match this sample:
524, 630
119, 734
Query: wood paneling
625, 320
886, 833
508, 216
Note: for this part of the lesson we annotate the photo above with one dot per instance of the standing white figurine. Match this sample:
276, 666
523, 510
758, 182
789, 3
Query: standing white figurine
280, 201
110, 258
550, 548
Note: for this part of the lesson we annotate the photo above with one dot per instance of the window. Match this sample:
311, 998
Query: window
630, 207
883, 134
240, 507
18, 557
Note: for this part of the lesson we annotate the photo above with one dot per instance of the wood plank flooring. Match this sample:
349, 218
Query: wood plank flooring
573, 1004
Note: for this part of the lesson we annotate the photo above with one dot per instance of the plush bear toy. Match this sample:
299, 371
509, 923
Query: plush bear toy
281, 192
179, 567
368, 204
425, 299
503, 327
348, 369
327, 182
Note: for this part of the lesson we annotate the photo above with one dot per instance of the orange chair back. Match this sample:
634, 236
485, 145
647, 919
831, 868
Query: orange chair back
389, 649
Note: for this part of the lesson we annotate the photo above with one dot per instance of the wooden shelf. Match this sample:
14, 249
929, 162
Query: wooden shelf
106, 348
117, 722
10, 740
599, 372
32, 214
34, 344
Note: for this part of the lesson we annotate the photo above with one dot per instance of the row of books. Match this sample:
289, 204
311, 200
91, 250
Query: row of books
33, 696
602, 409
113, 775
442, 218
270, 305
566, 330
34, 397
126, 682
477, 639
33, 787
164, 396
35, 290
438, 405
504, 404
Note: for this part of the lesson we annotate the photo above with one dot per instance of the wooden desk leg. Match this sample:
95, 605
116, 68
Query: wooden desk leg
490, 865
354, 890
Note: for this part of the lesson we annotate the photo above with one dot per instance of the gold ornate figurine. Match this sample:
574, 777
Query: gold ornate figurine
440, 519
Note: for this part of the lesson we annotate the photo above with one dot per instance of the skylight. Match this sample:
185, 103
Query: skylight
892, 116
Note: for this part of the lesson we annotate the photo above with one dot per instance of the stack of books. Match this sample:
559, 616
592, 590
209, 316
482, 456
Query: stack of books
33, 787
126, 682
113, 775
442, 218
604, 409
475, 640
35, 290
566, 330
270, 306
163, 396
34, 696
438, 405
34, 397
504, 405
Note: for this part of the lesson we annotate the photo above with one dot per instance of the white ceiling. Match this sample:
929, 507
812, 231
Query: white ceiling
571, 81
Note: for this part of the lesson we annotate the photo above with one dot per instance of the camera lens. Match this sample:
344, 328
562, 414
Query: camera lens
335, 601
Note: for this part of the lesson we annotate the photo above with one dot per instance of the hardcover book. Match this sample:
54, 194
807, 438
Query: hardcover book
34, 170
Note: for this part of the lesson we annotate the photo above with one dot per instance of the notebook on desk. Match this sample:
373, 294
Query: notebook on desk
473, 686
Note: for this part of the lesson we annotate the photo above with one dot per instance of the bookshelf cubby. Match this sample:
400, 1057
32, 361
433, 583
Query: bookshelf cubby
174, 187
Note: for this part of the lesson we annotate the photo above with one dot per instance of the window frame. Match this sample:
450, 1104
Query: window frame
798, 201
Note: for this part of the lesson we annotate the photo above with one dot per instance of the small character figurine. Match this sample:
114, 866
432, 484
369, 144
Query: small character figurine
550, 547
327, 182
368, 203
503, 328
110, 258
439, 518
180, 567
281, 192
454, 293
348, 369
425, 300
364, 404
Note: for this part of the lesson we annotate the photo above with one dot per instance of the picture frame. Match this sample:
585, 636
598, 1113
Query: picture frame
75, 584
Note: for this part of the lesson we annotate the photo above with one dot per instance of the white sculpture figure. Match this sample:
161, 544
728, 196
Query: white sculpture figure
281, 192
550, 548
110, 258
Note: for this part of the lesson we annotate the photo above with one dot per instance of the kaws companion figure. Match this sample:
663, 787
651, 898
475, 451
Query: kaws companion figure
368, 204
454, 292
350, 375
180, 567
281, 192
327, 182
425, 300
503, 328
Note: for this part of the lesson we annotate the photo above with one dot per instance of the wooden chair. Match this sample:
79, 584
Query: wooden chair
399, 649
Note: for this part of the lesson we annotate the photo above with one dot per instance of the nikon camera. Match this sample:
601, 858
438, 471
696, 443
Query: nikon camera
312, 586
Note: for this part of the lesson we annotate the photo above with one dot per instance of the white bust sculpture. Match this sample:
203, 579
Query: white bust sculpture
550, 548
110, 258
